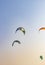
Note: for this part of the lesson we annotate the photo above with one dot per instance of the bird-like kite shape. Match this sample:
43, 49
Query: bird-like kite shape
15, 42
21, 29
42, 28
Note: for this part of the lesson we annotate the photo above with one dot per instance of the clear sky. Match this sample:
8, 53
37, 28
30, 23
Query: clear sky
29, 14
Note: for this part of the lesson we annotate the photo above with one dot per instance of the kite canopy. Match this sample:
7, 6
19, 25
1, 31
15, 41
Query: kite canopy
41, 57
16, 41
42, 28
21, 29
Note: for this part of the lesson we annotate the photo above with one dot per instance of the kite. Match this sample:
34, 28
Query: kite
21, 29
42, 28
41, 57
15, 42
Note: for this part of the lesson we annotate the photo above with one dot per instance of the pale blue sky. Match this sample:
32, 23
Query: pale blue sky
27, 13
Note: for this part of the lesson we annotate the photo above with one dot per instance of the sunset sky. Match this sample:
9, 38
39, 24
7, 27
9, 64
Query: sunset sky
29, 14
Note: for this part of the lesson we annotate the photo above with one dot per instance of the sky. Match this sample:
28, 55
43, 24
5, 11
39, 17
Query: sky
29, 14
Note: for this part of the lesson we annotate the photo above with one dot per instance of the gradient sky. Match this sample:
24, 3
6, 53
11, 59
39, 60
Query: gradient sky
29, 14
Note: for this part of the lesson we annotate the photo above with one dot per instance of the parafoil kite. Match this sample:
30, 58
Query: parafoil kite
21, 29
42, 28
41, 57
15, 42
